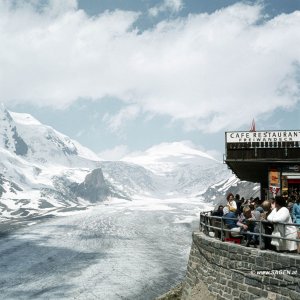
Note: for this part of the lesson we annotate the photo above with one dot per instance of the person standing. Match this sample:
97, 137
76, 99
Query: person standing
266, 225
281, 214
238, 204
231, 204
296, 217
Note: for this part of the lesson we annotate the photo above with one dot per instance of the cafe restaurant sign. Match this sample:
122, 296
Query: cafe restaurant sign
262, 136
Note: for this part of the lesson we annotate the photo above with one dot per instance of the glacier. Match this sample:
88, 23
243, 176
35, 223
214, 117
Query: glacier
116, 250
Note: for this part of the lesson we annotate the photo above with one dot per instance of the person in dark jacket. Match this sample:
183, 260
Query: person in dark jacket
238, 204
217, 222
218, 212
267, 226
248, 226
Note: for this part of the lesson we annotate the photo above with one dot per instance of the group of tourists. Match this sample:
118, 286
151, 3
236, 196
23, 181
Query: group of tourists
241, 216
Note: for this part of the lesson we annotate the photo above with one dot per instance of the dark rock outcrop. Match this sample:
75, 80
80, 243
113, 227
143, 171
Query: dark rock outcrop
94, 187
20, 145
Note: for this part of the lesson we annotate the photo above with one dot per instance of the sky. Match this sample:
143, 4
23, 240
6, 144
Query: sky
121, 76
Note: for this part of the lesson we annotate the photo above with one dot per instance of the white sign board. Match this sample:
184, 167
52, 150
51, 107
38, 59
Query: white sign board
262, 136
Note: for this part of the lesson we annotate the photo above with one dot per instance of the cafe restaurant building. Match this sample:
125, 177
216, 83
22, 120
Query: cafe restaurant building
271, 158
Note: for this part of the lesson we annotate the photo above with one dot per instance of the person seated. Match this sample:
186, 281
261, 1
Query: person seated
217, 222
248, 226
255, 212
266, 225
281, 214
230, 221
229, 218
259, 206
218, 212
245, 203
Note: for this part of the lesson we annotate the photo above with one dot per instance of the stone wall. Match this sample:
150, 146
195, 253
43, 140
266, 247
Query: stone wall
229, 271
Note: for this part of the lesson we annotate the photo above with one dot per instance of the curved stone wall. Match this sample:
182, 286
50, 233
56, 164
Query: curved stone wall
232, 271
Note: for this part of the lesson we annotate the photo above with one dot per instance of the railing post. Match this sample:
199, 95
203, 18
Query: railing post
284, 231
205, 226
260, 236
200, 225
222, 228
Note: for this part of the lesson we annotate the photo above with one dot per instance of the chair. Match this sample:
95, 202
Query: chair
235, 240
228, 237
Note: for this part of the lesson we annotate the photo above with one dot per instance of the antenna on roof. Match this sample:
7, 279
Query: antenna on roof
252, 128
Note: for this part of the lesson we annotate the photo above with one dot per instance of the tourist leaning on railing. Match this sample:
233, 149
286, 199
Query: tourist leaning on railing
218, 227
248, 226
217, 222
281, 214
218, 212
296, 217
267, 227
238, 202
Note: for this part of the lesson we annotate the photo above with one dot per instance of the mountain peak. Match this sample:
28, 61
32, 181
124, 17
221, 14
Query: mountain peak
9, 136
178, 149
23, 118
4, 114
46, 145
167, 156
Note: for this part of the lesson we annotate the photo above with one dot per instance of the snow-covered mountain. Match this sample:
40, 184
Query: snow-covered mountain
166, 157
216, 193
39, 166
42, 170
25, 136
184, 169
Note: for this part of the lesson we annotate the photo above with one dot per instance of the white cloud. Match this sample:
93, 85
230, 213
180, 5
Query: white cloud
117, 121
213, 71
173, 6
80, 133
116, 153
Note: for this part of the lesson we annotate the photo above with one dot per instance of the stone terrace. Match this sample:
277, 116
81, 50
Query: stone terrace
230, 271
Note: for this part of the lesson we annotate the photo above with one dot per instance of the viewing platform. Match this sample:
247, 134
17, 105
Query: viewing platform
232, 271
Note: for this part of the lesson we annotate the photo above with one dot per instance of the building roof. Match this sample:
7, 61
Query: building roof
250, 155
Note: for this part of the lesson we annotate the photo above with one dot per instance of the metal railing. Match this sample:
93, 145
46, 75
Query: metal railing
205, 226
